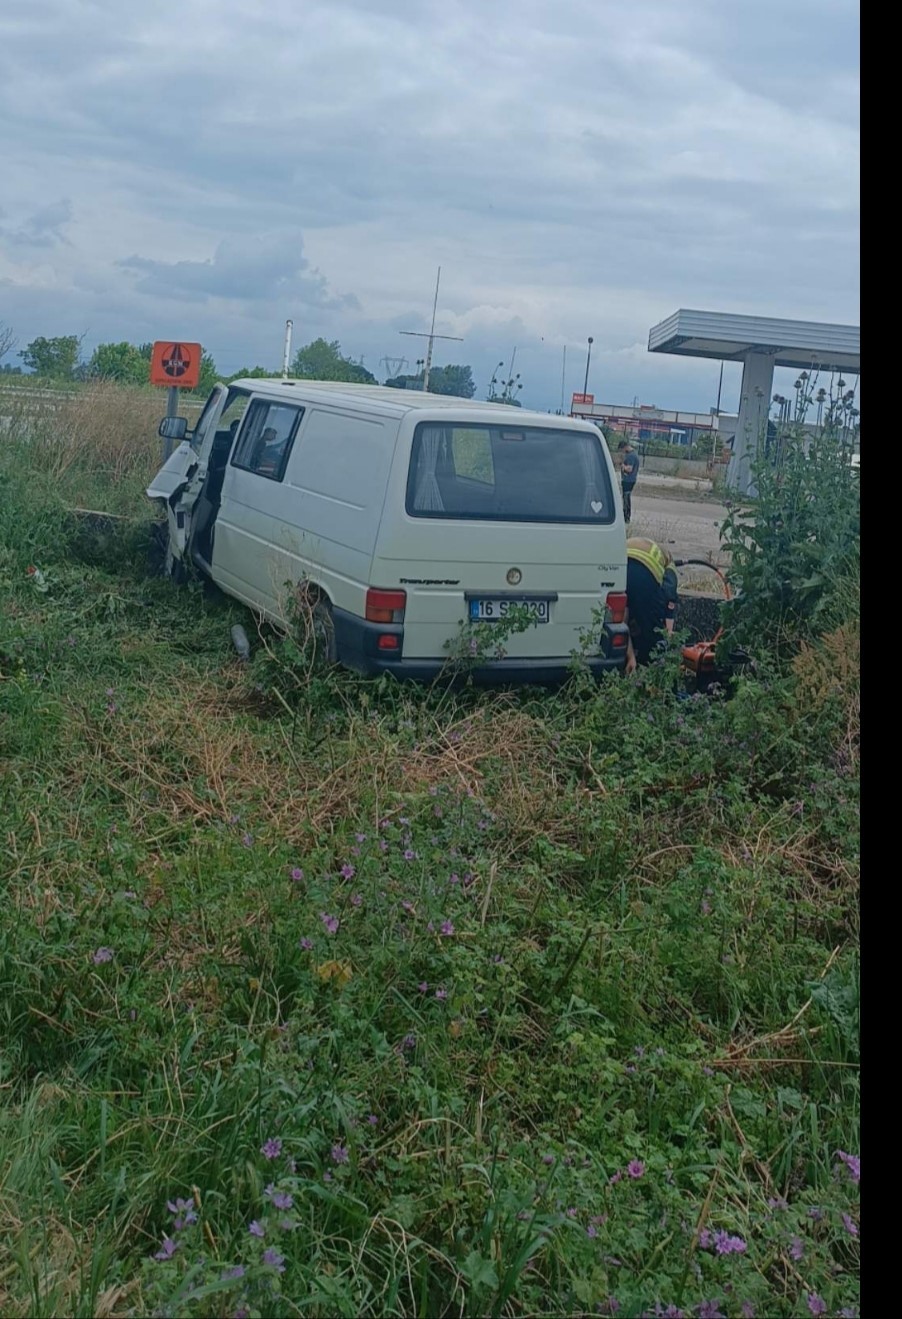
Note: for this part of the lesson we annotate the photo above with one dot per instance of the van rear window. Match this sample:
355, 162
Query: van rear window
508, 474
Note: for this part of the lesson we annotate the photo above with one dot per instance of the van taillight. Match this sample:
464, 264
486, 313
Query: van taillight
385, 606
616, 606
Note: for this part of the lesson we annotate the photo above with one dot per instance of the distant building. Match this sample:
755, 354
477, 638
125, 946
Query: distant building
644, 421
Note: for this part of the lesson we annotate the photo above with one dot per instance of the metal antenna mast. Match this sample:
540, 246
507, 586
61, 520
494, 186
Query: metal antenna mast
431, 336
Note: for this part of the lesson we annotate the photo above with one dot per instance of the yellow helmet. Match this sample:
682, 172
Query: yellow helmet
650, 555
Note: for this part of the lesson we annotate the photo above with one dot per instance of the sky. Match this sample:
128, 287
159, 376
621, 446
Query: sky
206, 170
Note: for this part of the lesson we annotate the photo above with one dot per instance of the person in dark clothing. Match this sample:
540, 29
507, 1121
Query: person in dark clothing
629, 475
651, 592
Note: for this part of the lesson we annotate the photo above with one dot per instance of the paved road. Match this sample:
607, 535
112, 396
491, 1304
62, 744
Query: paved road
687, 527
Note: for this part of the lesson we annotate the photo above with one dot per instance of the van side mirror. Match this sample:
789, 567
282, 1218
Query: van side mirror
173, 428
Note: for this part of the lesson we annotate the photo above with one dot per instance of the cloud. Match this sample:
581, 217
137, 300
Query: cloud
251, 269
42, 228
576, 168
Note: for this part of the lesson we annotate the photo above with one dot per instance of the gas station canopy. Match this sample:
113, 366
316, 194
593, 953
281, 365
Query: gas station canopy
800, 345
760, 343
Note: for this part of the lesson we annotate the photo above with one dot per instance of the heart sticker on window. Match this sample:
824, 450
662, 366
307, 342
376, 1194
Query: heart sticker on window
596, 506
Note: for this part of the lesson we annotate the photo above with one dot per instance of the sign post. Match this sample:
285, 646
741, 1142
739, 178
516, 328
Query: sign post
174, 366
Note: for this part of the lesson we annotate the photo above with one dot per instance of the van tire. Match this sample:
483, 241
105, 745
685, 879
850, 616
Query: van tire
322, 626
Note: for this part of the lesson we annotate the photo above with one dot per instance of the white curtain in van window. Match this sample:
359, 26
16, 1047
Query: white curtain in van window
428, 495
589, 460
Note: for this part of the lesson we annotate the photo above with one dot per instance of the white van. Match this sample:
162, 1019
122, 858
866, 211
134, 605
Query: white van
408, 516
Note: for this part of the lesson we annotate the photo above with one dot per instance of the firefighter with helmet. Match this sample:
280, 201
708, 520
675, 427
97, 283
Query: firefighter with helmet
651, 592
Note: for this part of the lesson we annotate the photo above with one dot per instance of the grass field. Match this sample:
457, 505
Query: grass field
322, 997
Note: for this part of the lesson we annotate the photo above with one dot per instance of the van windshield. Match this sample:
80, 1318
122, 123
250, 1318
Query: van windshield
508, 474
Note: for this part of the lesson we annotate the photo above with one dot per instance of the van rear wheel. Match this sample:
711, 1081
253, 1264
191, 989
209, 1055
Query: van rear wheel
322, 625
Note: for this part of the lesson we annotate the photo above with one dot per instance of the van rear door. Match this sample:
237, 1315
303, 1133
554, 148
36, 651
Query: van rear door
494, 516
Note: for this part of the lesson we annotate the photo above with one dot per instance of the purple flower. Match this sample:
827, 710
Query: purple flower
777, 1202
372, 1120
705, 907
853, 1164
296, 874
441, 994
447, 928
101, 955
672, 1312
747, 1310
167, 1249
406, 906
257, 1229
360, 838
408, 1042
705, 1239
356, 900
348, 871
280, 1199
816, 1304
796, 1248
571, 1212
423, 986
615, 1178
454, 879
272, 1148
548, 1159
636, 1169
724, 1244
383, 845
274, 1260
305, 943
850, 1225
409, 854
331, 922
709, 1310
327, 1176
592, 1231
247, 840
232, 1274
339, 1154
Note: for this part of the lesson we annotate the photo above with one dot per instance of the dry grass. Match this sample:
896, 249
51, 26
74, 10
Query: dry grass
110, 428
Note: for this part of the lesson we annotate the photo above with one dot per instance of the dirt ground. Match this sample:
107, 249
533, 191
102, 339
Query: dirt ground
687, 527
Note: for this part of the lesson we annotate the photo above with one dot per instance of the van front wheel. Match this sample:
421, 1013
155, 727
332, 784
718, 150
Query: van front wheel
323, 629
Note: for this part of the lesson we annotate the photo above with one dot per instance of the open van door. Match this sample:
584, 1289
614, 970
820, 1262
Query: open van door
178, 482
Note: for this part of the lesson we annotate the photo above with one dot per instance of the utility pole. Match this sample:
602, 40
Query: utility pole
431, 336
286, 356
717, 418
588, 360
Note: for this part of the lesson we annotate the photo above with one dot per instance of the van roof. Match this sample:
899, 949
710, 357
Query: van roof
399, 401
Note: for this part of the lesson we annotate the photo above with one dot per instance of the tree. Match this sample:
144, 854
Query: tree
122, 362
54, 359
208, 374
253, 373
321, 360
455, 380
8, 340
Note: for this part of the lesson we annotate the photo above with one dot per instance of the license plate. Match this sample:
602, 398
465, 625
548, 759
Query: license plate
495, 611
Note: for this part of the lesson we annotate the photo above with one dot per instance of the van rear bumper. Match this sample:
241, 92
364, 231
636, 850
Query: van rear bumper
358, 649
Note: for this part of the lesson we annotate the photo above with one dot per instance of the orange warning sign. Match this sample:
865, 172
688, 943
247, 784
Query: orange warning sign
175, 364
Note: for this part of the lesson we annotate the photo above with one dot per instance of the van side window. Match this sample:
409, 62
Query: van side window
266, 437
